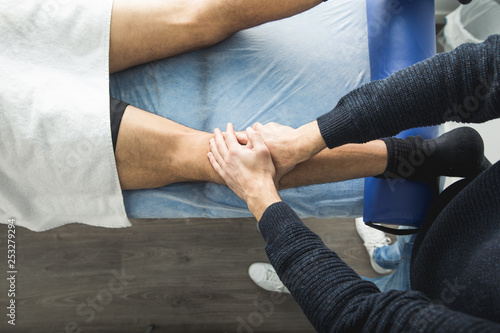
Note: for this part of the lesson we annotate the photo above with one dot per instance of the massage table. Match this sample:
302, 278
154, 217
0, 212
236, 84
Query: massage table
290, 72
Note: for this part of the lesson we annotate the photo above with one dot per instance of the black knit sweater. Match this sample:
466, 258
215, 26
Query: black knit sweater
455, 266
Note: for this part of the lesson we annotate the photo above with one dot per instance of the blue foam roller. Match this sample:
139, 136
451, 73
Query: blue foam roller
401, 33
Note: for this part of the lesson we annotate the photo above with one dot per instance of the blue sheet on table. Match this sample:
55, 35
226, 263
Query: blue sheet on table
290, 71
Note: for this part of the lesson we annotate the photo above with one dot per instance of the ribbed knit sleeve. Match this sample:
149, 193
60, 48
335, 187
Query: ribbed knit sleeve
335, 299
462, 85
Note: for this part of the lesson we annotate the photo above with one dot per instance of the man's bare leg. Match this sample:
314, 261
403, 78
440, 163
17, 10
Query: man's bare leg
346, 162
152, 151
147, 30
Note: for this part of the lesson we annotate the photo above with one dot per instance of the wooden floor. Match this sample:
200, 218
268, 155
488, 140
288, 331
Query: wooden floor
186, 275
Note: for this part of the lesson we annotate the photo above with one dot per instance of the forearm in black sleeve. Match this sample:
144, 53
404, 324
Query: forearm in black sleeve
462, 85
335, 299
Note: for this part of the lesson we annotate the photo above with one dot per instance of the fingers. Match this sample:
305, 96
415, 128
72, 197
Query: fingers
257, 126
256, 140
220, 144
254, 137
231, 139
215, 164
218, 150
214, 156
223, 143
241, 137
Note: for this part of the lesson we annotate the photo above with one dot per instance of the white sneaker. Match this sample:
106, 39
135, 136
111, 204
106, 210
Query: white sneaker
265, 277
372, 239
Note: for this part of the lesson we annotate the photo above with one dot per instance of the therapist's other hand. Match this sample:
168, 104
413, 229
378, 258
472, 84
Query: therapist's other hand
247, 169
289, 146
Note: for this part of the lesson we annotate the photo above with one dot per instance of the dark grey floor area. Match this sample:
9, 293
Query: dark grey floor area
182, 275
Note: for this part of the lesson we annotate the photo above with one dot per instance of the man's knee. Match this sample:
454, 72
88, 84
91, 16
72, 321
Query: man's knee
211, 20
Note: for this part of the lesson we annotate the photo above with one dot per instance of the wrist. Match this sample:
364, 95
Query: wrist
310, 141
259, 200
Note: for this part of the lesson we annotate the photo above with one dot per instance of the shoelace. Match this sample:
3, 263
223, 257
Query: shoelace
273, 279
376, 237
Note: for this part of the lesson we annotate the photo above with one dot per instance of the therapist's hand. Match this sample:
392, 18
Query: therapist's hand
247, 169
289, 146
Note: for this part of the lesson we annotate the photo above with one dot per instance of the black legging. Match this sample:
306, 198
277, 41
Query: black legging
117, 109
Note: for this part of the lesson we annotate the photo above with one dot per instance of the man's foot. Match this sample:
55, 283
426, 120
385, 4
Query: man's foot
372, 239
458, 153
265, 277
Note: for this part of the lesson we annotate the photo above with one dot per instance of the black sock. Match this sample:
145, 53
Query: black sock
458, 153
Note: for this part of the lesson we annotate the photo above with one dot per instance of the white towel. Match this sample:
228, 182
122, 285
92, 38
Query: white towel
57, 163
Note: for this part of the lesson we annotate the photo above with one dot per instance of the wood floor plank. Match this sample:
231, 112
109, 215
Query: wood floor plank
183, 275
